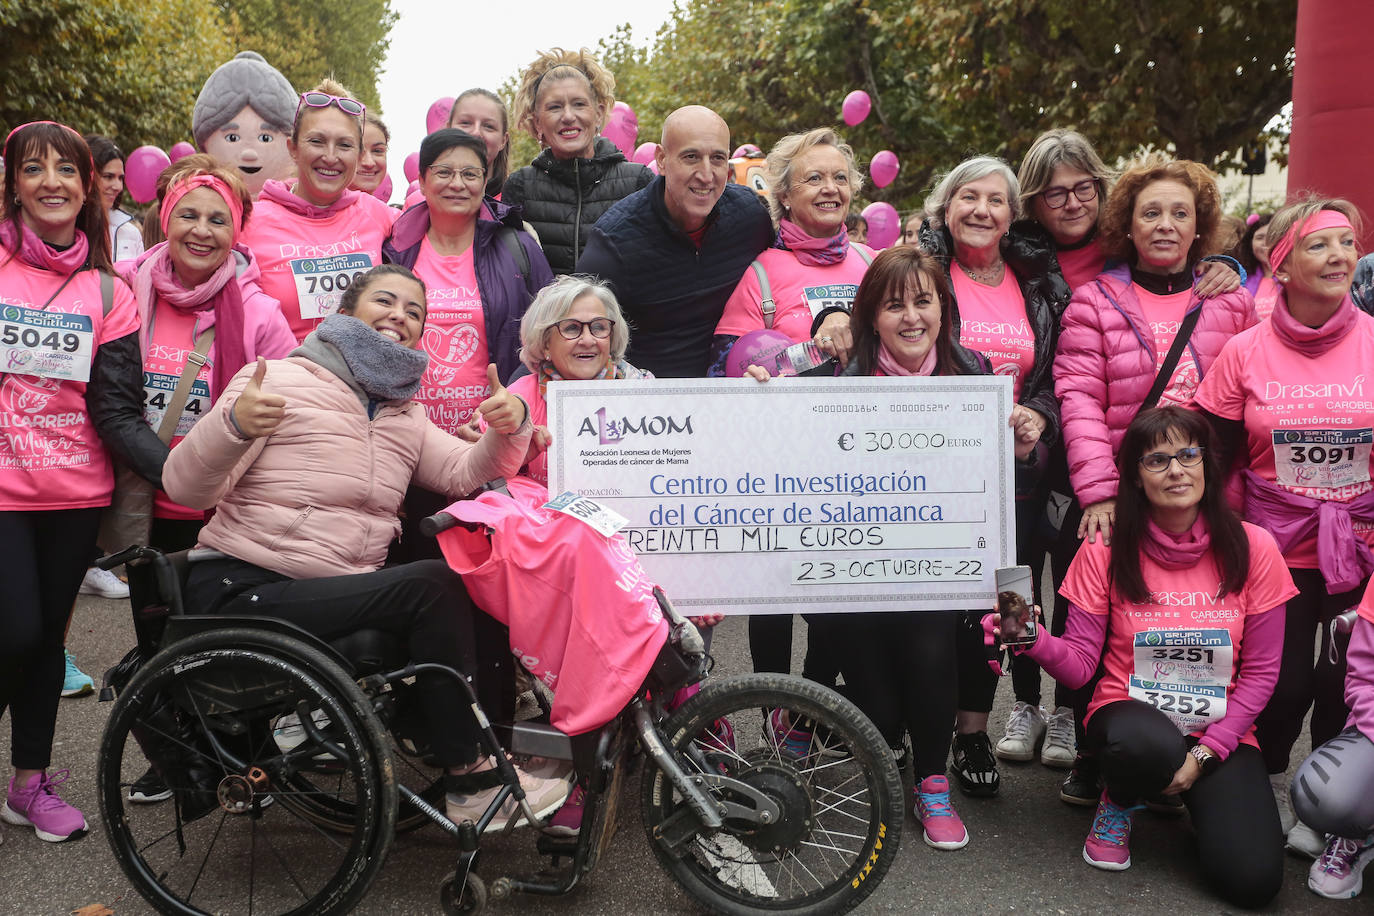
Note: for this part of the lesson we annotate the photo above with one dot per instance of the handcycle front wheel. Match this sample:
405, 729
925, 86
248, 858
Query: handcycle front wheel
237, 836
817, 758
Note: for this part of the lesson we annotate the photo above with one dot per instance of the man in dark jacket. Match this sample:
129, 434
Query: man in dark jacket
674, 251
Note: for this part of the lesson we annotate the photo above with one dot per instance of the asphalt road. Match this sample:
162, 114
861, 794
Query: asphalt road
1024, 854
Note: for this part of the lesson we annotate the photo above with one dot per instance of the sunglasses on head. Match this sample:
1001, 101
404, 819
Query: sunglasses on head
316, 99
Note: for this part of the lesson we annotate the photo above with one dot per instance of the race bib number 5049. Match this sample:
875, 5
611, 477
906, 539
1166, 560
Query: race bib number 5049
51, 344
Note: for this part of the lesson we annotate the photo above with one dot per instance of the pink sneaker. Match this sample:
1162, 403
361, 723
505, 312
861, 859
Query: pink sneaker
1108, 845
38, 805
943, 828
567, 820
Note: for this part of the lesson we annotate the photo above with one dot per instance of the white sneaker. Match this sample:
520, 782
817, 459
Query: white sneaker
1305, 841
104, 583
1025, 731
1061, 745
288, 732
1278, 782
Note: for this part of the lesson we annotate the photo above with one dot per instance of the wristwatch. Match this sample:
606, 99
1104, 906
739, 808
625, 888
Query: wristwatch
1206, 758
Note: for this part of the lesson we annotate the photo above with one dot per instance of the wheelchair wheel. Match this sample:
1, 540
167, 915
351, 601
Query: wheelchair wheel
827, 769
237, 836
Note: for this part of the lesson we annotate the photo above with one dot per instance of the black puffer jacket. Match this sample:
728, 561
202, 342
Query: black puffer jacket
1029, 251
562, 198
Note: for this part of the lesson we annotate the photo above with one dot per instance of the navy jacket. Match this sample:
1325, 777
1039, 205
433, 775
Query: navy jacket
671, 292
505, 291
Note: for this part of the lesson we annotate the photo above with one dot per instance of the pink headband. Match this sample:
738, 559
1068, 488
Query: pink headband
186, 185
1322, 219
67, 128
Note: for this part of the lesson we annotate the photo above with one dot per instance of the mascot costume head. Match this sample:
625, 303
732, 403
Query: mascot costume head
243, 118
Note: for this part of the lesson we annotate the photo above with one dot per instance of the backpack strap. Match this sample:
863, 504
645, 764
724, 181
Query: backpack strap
511, 240
766, 305
868, 258
106, 292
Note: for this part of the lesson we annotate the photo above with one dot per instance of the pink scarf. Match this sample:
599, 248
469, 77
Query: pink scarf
811, 251
155, 282
1312, 342
33, 251
888, 365
1176, 551
280, 192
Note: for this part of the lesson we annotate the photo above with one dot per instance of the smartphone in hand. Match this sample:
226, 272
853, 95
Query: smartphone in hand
1015, 605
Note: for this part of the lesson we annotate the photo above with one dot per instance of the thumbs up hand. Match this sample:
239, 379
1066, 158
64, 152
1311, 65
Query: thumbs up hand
502, 410
256, 412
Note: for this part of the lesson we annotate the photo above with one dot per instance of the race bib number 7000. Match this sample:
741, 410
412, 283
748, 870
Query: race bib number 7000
320, 282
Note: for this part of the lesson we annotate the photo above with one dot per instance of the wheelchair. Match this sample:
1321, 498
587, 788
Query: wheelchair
761, 793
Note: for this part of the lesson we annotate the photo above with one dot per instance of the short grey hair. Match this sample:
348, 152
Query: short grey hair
965, 172
552, 305
786, 150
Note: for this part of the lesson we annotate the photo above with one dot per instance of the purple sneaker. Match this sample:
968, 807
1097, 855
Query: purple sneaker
38, 805
567, 820
1108, 845
796, 739
943, 828
719, 736
1338, 873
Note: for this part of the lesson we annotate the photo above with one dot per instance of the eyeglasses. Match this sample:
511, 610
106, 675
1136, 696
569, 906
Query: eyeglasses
571, 328
1058, 197
1159, 462
316, 99
469, 175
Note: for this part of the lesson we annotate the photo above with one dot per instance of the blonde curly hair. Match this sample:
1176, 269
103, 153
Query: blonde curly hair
557, 64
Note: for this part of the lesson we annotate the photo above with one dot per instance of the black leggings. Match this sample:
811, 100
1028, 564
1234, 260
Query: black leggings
46, 554
899, 668
1239, 840
977, 682
1300, 684
423, 603
770, 645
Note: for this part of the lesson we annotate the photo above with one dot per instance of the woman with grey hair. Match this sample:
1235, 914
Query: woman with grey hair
1008, 296
802, 287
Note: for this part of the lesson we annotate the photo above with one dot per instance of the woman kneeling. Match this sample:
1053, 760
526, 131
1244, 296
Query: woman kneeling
1185, 610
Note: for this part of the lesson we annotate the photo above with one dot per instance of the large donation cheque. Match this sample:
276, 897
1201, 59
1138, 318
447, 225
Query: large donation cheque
798, 495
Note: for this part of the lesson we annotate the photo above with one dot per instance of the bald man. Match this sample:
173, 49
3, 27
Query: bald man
675, 250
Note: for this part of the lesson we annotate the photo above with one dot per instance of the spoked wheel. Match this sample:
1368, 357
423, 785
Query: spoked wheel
238, 835
818, 759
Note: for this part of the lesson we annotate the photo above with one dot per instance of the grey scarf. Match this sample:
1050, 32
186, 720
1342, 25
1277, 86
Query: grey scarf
376, 367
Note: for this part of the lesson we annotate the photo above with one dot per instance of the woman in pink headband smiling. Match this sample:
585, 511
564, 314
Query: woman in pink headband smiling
1297, 390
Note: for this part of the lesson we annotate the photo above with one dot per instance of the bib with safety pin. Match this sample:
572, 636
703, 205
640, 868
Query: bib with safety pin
320, 282
1322, 457
55, 345
831, 295
158, 388
588, 511
1184, 674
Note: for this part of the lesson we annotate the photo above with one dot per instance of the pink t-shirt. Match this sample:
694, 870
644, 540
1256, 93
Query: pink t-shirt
1165, 315
1266, 294
526, 387
799, 293
50, 454
171, 339
455, 338
307, 263
1081, 264
1309, 423
1181, 650
992, 320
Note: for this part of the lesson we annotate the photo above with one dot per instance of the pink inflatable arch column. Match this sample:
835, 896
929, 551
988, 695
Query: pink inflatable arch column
1333, 105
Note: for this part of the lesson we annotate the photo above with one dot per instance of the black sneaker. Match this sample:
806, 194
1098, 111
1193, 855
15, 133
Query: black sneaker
974, 765
1167, 805
149, 788
1083, 784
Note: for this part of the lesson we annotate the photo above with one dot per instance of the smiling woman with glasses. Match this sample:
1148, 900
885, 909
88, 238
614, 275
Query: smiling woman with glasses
314, 235
1184, 612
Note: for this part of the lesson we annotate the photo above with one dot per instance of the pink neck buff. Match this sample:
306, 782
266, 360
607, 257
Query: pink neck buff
888, 365
25, 244
809, 250
179, 190
1176, 551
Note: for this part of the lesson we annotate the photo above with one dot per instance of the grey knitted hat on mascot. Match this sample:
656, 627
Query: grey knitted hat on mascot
248, 79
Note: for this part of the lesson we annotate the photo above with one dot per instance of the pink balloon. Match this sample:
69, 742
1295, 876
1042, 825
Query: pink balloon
412, 188
856, 107
622, 128
644, 153
141, 169
884, 167
411, 167
383, 191
652, 165
437, 116
884, 225
747, 151
180, 150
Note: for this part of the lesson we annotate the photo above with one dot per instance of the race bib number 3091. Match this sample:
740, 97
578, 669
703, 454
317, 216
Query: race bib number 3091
1322, 457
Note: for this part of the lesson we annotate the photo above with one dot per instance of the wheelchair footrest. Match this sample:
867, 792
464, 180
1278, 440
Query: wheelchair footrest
556, 845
